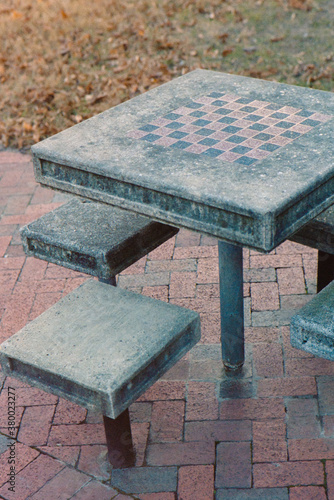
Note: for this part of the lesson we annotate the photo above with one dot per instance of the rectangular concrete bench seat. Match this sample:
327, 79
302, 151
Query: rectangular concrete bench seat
101, 347
93, 238
319, 234
312, 328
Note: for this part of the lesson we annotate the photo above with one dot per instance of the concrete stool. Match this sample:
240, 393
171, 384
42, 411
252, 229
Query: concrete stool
93, 238
312, 328
102, 347
319, 234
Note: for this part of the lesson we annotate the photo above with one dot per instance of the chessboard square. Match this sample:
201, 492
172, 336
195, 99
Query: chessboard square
296, 118
183, 110
174, 125
150, 137
321, 117
225, 145
163, 131
177, 134
219, 103
231, 129
245, 160
190, 128
263, 137
290, 110
196, 148
229, 156
220, 135
204, 99
248, 132
258, 154
290, 134
181, 144
264, 112
213, 117
280, 141
259, 104
223, 111
279, 115
160, 122
252, 143
165, 141
234, 105
213, 153
148, 128
274, 106
208, 141
284, 124
269, 147
305, 113
186, 119
193, 105
258, 126
230, 97
208, 108
227, 119
136, 134
197, 114
216, 94
237, 139
205, 131
172, 116
241, 150
238, 114
269, 121
311, 123
201, 122
248, 109
218, 125
253, 118
193, 138
273, 130
302, 129
244, 100
241, 123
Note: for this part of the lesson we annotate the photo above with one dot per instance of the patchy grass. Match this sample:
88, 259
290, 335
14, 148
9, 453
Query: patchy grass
62, 62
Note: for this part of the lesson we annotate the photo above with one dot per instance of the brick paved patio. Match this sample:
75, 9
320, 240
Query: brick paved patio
199, 435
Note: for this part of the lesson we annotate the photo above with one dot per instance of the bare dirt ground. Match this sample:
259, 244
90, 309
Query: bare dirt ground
62, 62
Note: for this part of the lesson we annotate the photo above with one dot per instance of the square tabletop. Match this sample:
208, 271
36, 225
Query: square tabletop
245, 160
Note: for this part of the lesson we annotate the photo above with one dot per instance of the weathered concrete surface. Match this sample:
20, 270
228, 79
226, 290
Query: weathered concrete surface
257, 205
318, 233
101, 347
93, 238
312, 328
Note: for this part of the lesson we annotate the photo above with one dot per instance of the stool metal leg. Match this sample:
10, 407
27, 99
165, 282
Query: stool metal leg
121, 452
231, 305
110, 281
325, 269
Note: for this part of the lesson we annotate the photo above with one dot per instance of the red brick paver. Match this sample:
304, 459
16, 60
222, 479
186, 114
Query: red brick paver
198, 434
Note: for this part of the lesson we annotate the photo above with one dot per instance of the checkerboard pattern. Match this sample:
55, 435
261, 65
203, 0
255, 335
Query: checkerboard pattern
229, 127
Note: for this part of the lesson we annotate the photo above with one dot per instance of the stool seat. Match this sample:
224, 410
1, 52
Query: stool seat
93, 238
312, 328
100, 347
318, 233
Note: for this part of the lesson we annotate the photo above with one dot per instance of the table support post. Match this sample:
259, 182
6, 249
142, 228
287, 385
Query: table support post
231, 305
325, 269
110, 281
121, 452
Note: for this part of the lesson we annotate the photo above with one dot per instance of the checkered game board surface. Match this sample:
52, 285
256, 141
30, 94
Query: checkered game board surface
229, 127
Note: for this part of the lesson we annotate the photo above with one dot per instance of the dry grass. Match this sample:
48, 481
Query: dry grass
62, 61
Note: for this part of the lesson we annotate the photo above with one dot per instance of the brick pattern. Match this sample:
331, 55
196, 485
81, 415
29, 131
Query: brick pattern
229, 127
267, 433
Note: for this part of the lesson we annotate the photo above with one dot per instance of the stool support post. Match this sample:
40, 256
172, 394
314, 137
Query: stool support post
121, 451
109, 281
325, 269
231, 305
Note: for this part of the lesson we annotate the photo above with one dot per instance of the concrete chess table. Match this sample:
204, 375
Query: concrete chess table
244, 160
